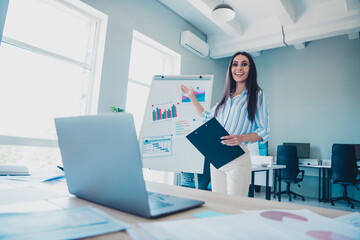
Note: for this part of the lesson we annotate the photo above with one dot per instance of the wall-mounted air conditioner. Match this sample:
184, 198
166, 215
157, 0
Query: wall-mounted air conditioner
194, 44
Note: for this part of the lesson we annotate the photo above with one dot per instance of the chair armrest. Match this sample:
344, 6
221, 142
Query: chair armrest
302, 174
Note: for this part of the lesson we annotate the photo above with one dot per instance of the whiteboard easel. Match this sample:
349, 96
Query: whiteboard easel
169, 117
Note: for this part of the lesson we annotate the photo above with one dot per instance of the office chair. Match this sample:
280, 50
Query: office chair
344, 170
287, 155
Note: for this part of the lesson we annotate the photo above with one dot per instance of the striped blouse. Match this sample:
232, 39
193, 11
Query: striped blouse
234, 117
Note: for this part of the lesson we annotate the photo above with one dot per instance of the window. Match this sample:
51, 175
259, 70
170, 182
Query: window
50, 60
148, 58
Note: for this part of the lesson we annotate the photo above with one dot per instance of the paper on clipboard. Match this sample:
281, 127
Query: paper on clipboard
207, 139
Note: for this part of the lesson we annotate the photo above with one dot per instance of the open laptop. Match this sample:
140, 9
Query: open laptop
102, 164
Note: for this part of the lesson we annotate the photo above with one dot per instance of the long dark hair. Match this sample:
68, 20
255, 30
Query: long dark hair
251, 86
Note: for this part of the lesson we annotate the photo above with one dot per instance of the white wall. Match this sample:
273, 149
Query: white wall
157, 22
314, 97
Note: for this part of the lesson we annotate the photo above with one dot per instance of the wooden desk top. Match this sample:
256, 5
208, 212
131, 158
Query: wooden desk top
213, 201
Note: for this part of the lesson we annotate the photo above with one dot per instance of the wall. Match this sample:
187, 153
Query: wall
156, 21
314, 96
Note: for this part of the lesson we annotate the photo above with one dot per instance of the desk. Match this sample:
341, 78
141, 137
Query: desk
218, 202
324, 181
256, 168
324, 178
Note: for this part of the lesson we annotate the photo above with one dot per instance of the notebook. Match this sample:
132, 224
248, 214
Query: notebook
102, 163
206, 139
14, 170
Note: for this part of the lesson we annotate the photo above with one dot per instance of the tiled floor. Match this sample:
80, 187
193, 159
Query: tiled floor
341, 205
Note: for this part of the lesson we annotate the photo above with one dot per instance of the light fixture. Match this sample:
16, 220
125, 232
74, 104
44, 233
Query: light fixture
223, 12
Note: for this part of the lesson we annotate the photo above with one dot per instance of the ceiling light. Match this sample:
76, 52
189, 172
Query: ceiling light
223, 12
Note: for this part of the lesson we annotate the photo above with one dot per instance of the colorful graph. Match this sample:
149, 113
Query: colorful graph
164, 111
325, 235
157, 146
279, 216
199, 94
185, 126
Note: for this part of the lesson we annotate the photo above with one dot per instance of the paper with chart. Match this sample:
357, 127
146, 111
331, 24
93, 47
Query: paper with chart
352, 219
157, 146
200, 94
184, 126
271, 224
164, 111
69, 223
169, 117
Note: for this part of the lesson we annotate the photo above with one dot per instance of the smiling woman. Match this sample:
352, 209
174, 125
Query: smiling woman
47, 71
243, 112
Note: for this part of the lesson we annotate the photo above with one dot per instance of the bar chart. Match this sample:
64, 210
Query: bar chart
164, 111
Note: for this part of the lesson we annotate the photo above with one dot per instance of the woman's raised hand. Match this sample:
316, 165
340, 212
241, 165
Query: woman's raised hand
187, 90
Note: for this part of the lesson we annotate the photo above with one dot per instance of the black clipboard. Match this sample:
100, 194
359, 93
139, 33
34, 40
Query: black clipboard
207, 139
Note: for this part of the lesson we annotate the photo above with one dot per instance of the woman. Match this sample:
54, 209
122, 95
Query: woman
243, 112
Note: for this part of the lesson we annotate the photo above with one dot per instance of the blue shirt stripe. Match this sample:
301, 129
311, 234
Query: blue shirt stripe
234, 117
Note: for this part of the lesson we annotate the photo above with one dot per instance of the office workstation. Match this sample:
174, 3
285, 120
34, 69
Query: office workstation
90, 57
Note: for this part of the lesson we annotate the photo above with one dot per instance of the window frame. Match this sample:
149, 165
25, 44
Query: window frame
175, 66
174, 57
95, 68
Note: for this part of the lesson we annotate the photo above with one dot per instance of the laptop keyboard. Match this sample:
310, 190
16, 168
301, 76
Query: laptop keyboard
157, 200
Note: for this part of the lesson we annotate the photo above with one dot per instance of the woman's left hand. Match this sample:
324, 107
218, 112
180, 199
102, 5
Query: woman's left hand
232, 140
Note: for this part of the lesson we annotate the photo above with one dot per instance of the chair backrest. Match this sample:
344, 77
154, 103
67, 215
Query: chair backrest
287, 155
343, 163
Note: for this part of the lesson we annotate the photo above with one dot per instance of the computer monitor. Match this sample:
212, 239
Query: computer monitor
357, 151
303, 149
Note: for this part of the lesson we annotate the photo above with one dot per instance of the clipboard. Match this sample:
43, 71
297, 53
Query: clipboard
207, 139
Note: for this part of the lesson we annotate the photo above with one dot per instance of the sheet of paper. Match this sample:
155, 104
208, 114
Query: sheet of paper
352, 219
70, 223
272, 224
32, 206
25, 194
303, 224
157, 146
39, 176
230, 227
138, 234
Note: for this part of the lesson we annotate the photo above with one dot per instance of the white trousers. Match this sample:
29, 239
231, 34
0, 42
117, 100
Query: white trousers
233, 178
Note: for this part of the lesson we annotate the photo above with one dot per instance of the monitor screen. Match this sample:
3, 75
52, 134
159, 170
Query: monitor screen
357, 151
303, 149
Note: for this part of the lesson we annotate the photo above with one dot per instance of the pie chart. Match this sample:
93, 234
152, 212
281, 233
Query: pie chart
325, 235
279, 216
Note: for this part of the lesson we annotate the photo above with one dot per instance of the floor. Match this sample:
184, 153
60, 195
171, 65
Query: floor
341, 205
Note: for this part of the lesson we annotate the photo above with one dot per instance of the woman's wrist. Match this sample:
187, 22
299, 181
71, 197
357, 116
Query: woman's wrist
192, 96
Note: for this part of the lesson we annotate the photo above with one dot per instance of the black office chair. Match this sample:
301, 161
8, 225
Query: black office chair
287, 155
344, 170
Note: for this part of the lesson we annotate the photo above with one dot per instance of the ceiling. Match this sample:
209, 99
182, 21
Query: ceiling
265, 24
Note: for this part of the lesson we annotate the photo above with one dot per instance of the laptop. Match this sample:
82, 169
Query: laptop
102, 163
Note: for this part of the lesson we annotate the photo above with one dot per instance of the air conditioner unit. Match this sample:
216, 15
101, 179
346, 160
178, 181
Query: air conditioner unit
194, 44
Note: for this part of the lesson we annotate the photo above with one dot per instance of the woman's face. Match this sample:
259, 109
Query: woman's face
240, 68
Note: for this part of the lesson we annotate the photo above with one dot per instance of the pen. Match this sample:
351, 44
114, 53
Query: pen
53, 178
61, 168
